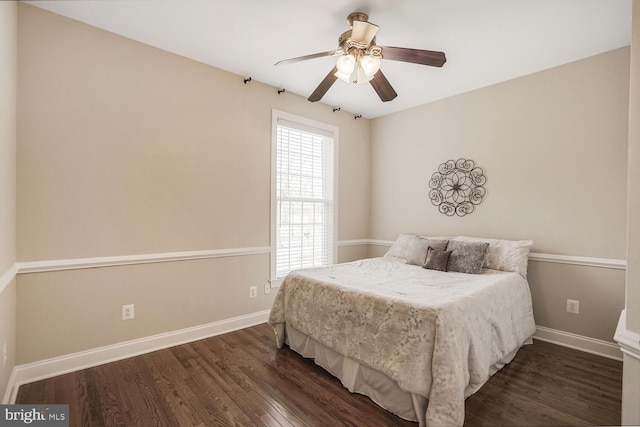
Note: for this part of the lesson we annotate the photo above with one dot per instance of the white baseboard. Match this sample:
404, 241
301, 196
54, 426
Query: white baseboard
595, 346
12, 389
31, 372
629, 340
24, 374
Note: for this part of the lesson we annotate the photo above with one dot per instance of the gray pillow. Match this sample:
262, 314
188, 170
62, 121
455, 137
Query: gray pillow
437, 259
417, 253
467, 257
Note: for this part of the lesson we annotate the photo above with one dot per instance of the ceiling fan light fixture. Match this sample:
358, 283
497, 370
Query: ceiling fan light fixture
346, 64
370, 65
343, 76
362, 76
359, 59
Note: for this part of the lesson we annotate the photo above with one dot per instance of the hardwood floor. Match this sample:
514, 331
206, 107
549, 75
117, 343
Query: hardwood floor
241, 379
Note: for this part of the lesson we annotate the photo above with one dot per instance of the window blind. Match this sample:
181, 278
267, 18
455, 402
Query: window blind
304, 197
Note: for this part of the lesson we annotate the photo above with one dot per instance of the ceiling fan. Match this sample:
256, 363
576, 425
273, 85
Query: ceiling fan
359, 59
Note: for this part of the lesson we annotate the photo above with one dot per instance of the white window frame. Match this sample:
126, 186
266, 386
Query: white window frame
315, 127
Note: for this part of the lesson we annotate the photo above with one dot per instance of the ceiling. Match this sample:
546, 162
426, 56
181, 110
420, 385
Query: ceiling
486, 42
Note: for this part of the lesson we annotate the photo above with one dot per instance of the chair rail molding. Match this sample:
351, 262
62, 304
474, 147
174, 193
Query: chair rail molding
618, 264
8, 276
111, 261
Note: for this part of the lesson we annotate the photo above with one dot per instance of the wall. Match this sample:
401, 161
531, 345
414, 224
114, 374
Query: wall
8, 78
553, 146
127, 150
631, 328
633, 272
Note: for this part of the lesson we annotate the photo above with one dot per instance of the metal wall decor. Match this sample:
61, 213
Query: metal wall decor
457, 187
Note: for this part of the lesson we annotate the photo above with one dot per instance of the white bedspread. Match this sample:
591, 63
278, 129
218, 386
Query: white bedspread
436, 334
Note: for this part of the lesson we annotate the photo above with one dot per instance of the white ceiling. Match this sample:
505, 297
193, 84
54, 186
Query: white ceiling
486, 42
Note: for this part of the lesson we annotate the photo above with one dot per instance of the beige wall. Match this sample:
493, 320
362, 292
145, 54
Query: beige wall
86, 303
8, 59
125, 149
633, 269
8, 77
599, 290
553, 146
631, 371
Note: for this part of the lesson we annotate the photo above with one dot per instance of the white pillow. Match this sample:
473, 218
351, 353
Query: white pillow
504, 255
401, 247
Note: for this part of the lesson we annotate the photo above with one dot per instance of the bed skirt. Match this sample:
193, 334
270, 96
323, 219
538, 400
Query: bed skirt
361, 379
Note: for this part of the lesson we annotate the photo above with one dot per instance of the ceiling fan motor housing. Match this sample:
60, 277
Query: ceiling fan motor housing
357, 16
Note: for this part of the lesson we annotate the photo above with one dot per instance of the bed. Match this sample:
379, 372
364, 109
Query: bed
418, 330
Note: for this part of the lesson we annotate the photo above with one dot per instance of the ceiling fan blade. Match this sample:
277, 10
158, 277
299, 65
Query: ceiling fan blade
363, 32
383, 87
417, 56
304, 58
324, 86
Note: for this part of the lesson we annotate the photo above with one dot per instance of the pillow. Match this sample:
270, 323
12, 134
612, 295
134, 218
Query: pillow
400, 247
467, 257
417, 253
437, 259
505, 255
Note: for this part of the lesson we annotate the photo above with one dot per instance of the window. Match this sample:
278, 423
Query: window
303, 194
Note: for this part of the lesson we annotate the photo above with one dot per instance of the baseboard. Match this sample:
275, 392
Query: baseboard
629, 340
12, 389
31, 372
24, 374
595, 346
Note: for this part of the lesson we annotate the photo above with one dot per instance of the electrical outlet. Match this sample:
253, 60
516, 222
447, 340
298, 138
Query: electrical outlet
127, 312
573, 306
253, 291
267, 288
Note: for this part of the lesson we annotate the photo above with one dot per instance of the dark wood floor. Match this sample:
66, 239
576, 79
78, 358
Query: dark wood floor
241, 379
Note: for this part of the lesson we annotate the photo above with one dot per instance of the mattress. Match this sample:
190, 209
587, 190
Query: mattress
437, 336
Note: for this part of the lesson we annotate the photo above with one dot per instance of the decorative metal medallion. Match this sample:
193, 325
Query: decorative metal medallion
457, 187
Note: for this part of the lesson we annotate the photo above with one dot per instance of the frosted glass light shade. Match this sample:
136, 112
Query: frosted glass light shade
370, 65
362, 76
343, 76
346, 64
